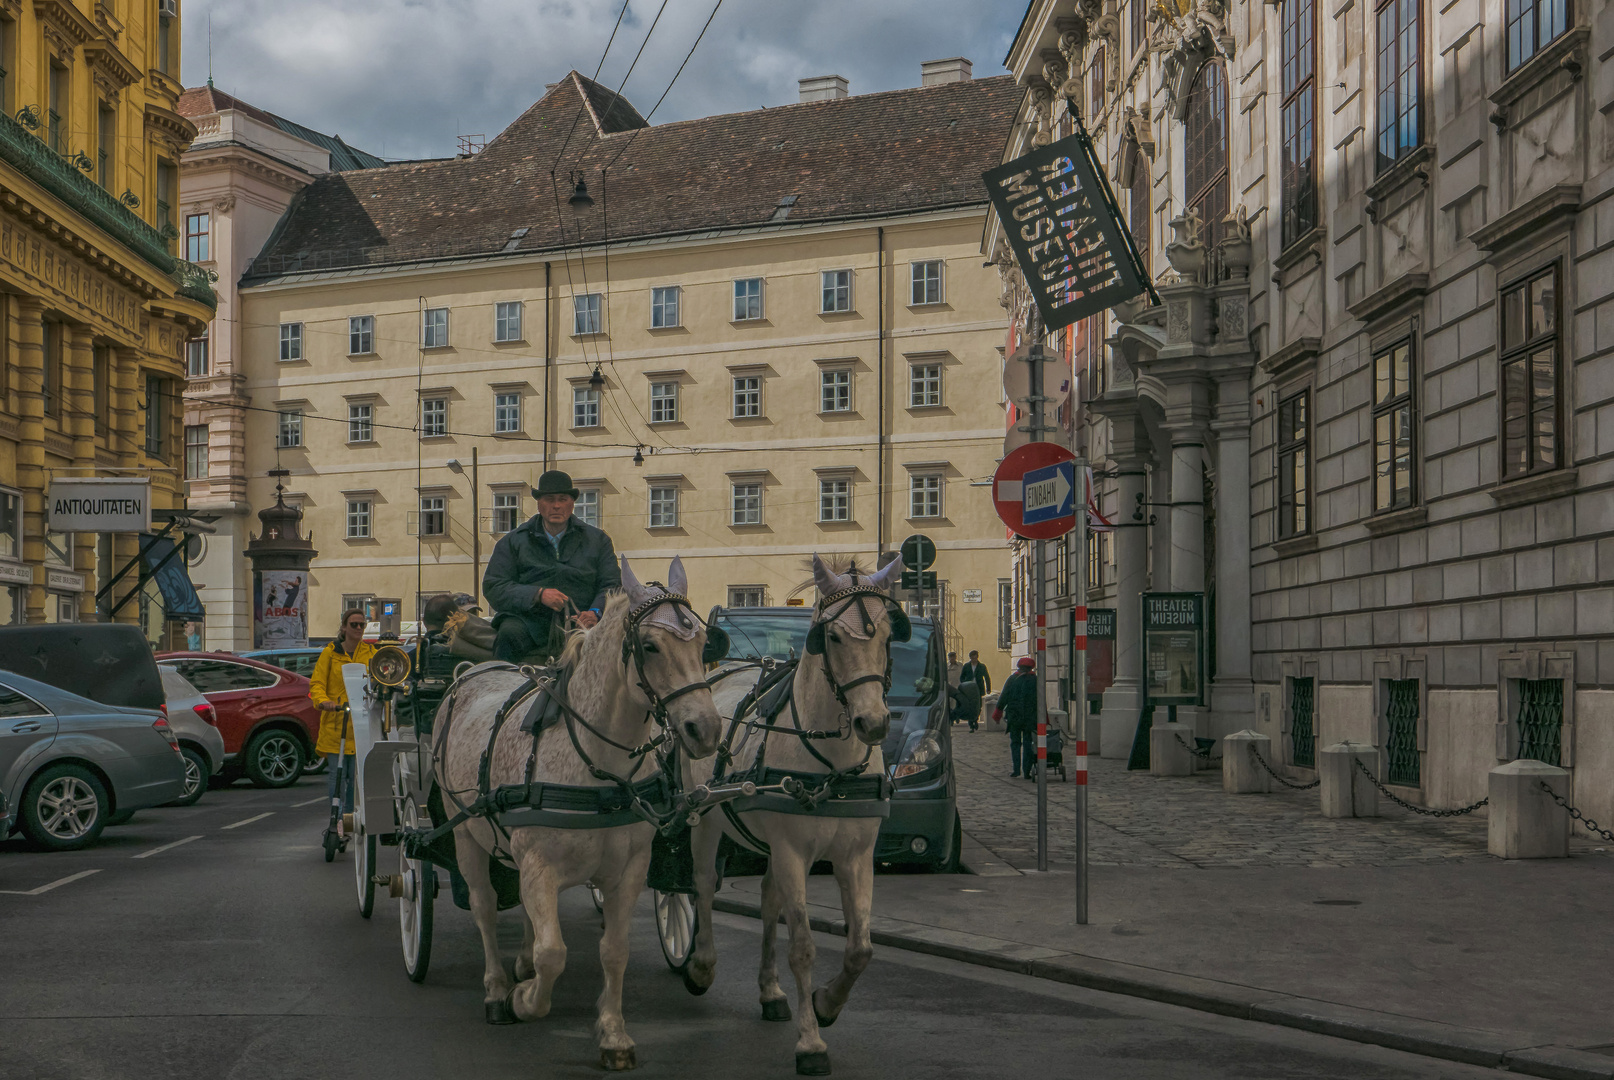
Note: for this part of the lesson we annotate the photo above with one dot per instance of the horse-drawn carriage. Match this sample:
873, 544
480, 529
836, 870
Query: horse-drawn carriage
615, 766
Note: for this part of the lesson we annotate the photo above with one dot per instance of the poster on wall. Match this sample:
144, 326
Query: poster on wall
1174, 648
280, 609
1100, 651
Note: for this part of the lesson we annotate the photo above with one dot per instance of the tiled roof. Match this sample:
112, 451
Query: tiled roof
871, 155
205, 100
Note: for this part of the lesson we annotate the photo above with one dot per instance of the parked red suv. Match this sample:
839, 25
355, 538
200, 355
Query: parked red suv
264, 713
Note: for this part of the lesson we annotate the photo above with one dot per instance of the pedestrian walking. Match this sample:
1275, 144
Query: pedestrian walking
974, 683
1017, 708
328, 692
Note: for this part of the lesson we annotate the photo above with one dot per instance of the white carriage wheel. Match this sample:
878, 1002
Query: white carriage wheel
364, 869
675, 925
415, 905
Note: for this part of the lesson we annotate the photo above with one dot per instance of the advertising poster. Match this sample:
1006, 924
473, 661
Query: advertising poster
280, 609
1174, 648
1100, 651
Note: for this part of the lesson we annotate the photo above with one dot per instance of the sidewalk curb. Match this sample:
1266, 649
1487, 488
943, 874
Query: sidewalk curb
1515, 1053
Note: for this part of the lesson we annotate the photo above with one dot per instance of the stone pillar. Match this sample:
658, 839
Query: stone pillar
1344, 791
1169, 750
78, 423
1525, 822
1123, 700
31, 446
1187, 510
1232, 693
1241, 773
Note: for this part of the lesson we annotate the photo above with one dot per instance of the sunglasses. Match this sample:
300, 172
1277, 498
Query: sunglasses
355, 626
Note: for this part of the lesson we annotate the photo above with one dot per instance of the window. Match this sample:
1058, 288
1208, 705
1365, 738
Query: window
197, 230
835, 499
10, 524
196, 354
664, 307
1392, 427
101, 389
1299, 112
747, 396
360, 335
1540, 719
361, 601
195, 451
663, 402
358, 519
57, 90
507, 321
1139, 196
1533, 24
291, 428
433, 418
1138, 13
585, 407
1530, 379
506, 511
1095, 78
587, 508
165, 43
506, 412
1005, 613
1302, 722
433, 515
925, 496
8, 63
167, 194
106, 141
434, 328
746, 507
835, 391
1400, 78
747, 299
1401, 728
924, 385
1205, 131
663, 507
360, 422
50, 376
586, 314
927, 282
837, 291
747, 596
1294, 445
291, 341
156, 416
216, 676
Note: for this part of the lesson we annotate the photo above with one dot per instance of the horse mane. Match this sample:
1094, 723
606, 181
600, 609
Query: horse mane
611, 626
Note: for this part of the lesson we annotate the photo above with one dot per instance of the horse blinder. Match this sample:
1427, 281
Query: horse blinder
717, 644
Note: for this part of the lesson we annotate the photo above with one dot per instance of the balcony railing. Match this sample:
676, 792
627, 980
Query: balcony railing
196, 282
58, 176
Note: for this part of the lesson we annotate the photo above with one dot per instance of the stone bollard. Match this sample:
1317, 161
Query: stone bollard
1167, 756
1241, 773
1525, 822
1344, 791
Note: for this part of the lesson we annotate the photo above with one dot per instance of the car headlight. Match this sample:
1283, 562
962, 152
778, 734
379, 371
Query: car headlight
919, 755
389, 666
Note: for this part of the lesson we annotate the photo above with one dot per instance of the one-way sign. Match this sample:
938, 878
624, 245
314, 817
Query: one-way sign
1034, 490
1049, 492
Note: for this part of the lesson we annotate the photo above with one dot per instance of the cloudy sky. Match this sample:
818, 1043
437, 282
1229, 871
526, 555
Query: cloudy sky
402, 78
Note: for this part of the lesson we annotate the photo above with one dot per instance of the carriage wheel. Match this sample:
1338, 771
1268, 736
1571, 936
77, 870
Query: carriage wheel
675, 925
415, 905
364, 872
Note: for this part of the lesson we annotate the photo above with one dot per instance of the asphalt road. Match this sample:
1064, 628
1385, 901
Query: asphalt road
240, 954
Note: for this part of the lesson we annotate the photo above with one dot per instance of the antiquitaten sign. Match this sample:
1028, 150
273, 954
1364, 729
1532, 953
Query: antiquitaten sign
99, 505
1057, 212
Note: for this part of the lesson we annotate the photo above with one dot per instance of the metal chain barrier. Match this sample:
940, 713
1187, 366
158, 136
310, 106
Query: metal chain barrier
1286, 783
1393, 797
1205, 754
1591, 826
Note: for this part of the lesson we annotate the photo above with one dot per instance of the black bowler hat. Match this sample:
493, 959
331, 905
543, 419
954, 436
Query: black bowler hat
555, 482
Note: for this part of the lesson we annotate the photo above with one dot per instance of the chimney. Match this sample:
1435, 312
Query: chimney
822, 88
936, 72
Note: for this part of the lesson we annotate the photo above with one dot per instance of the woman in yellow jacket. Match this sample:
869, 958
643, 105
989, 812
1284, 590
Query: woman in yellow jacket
328, 691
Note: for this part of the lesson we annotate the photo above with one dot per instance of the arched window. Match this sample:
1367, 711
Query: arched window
1205, 121
1139, 215
1095, 88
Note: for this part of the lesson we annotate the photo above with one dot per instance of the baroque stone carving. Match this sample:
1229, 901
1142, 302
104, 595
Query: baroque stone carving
1186, 253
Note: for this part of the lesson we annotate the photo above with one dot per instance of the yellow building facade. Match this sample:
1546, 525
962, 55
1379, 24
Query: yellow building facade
95, 303
741, 396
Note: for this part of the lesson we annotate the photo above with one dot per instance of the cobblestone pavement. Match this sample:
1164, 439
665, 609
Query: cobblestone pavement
1141, 820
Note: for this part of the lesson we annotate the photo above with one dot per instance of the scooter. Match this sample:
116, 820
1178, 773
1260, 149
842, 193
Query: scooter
334, 838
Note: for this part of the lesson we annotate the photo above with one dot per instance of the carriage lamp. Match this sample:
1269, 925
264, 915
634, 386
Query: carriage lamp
389, 666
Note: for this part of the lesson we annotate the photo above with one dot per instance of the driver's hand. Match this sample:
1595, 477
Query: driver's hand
586, 619
552, 598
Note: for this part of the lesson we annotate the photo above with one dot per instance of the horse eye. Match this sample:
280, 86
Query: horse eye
650, 647
836, 638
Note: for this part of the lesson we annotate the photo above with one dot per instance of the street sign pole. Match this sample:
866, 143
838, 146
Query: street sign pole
1078, 649
1034, 357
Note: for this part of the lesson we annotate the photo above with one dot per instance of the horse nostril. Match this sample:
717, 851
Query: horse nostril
693, 732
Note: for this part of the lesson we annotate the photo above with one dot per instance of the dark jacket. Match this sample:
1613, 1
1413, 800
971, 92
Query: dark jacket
524, 562
976, 673
1019, 698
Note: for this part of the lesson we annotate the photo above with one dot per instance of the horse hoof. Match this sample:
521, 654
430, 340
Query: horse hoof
619, 1060
813, 1064
823, 1021
694, 987
501, 1011
777, 1009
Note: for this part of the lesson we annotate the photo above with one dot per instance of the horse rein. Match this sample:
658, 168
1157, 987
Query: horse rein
848, 597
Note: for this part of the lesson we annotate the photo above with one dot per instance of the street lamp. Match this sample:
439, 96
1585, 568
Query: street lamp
597, 379
581, 199
455, 467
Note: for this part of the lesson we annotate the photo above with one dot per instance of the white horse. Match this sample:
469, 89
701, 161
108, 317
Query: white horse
839, 691
646, 639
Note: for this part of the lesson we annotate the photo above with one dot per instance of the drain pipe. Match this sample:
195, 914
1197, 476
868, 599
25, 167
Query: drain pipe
549, 362
879, 474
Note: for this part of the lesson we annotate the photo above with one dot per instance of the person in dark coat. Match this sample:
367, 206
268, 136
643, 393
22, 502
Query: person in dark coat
548, 561
973, 684
1017, 708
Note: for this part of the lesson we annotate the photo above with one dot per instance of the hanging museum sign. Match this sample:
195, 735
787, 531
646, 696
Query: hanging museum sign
98, 504
1174, 648
1100, 650
1061, 220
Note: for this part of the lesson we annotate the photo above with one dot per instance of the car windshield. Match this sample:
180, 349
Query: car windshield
780, 634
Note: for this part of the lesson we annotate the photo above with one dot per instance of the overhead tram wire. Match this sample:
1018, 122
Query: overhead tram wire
584, 103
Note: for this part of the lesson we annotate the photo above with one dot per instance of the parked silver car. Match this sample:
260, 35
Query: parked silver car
195, 724
75, 763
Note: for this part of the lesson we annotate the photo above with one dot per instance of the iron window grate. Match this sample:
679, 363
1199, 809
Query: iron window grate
1302, 729
1402, 744
1541, 719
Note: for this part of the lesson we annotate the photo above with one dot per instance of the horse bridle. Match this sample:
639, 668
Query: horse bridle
848, 597
633, 647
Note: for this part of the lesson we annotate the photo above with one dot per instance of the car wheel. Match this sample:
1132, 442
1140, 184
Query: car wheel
64, 808
274, 759
195, 778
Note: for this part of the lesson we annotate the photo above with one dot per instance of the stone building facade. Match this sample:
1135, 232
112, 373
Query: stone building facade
1371, 413
748, 338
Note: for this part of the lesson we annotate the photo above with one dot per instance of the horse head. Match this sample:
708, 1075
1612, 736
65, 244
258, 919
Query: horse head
853, 632
663, 648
